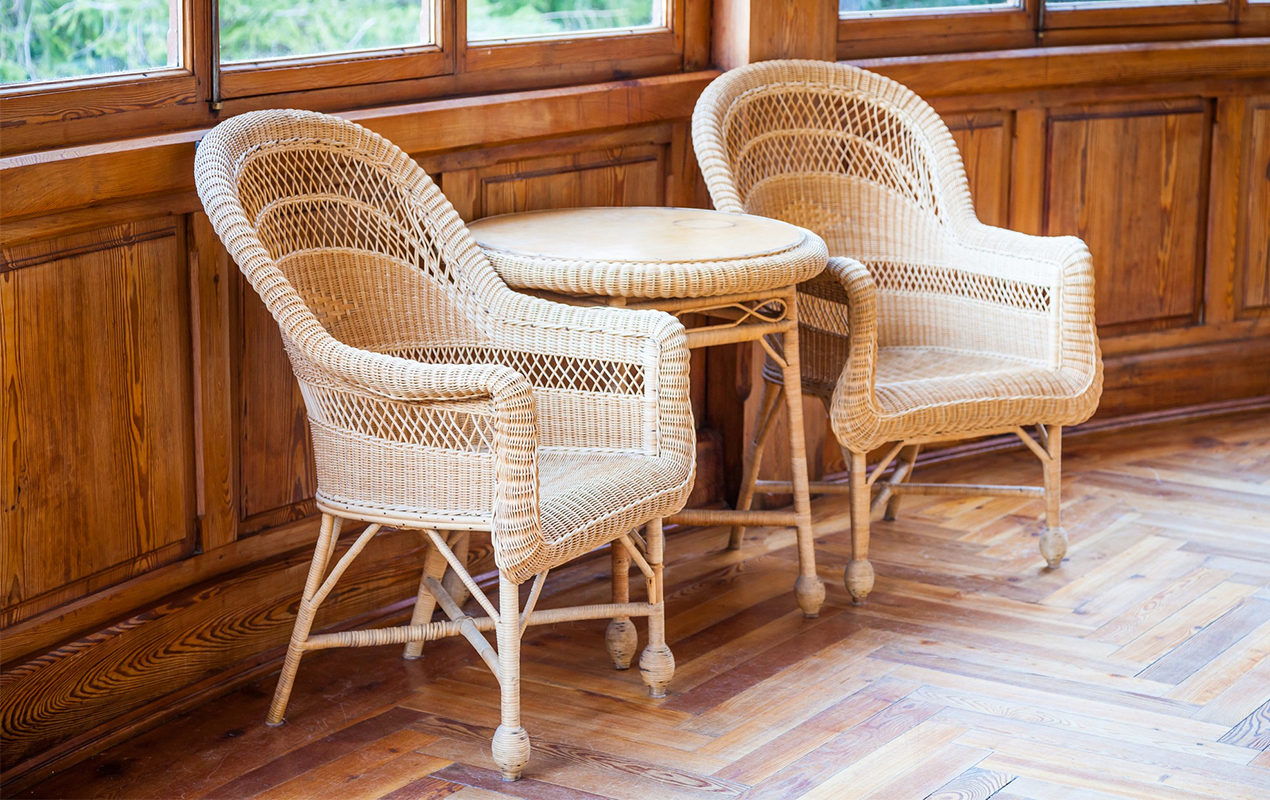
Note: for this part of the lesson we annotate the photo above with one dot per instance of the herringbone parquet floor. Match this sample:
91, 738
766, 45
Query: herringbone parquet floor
1140, 669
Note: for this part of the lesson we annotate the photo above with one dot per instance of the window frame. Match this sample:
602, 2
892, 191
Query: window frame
49, 115
1035, 24
336, 70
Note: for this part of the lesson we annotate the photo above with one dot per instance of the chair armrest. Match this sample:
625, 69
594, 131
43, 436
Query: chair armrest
854, 399
514, 440
653, 342
1064, 265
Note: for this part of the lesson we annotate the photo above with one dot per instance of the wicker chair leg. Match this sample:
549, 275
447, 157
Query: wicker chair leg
656, 663
768, 402
908, 461
1054, 538
322, 552
452, 582
511, 742
859, 573
434, 566
809, 589
621, 638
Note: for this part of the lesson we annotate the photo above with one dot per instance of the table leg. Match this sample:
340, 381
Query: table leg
809, 589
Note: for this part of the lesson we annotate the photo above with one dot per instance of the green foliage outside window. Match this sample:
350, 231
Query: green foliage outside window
255, 29
501, 19
52, 39
857, 6
44, 40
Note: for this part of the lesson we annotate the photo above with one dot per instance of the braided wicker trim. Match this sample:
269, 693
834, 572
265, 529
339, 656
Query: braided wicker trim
663, 280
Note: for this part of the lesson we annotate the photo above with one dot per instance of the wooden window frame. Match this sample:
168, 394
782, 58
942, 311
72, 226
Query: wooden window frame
1034, 23
102, 108
336, 70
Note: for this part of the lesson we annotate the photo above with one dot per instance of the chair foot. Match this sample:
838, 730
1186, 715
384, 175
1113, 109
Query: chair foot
809, 591
277, 724
1053, 546
735, 537
621, 641
511, 751
657, 665
859, 580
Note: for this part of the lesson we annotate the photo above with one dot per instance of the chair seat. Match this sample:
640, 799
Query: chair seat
930, 390
933, 391
589, 498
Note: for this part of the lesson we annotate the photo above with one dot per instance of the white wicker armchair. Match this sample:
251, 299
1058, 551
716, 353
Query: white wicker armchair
928, 325
440, 400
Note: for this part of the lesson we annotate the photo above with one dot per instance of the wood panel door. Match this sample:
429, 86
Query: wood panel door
1253, 259
98, 461
984, 139
631, 175
1131, 180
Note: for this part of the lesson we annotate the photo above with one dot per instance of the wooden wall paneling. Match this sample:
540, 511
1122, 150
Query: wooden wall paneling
626, 176
99, 466
685, 186
746, 31
1132, 181
1027, 171
278, 478
110, 677
984, 139
213, 301
1170, 378
1097, 68
1223, 211
1253, 258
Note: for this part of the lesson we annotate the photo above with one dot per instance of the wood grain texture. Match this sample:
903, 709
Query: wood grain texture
984, 142
970, 673
98, 467
183, 641
1254, 255
633, 175
746, 32
1130, 181
278, 478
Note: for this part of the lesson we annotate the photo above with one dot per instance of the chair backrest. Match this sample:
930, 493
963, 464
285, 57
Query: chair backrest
825, 146
336, 226
869, 166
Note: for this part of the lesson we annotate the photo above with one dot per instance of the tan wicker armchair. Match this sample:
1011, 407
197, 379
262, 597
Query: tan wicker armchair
928, 325
442, 401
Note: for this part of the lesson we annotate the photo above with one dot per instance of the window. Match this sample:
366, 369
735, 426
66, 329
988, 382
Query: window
49, 40
76, 71
874, 28
252, 30
848, 8
512, 19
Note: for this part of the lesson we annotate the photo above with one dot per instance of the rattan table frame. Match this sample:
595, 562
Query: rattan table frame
768, 316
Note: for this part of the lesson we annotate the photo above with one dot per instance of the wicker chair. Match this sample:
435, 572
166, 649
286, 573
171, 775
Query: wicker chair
944, 328
441, 401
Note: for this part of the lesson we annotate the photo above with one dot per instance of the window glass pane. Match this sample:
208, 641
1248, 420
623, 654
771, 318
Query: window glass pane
43, 40
251, 30
510, 19
849, 7
1131, 2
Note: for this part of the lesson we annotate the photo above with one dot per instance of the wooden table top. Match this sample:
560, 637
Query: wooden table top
648, 252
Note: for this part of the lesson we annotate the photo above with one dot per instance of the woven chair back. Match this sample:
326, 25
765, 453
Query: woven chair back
868, 165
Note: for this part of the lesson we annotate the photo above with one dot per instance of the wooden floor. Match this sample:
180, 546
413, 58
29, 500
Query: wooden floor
1141, 668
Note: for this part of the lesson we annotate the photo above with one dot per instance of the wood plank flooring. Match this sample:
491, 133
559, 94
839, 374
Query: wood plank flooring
1139, 669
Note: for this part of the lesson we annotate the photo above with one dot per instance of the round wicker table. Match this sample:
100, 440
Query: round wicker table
735, 271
